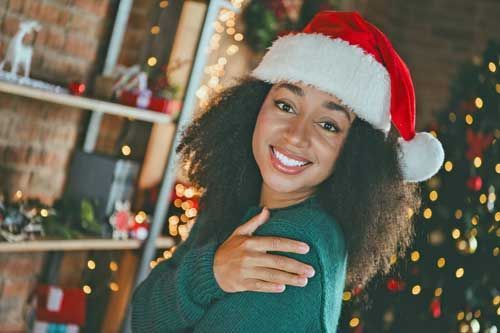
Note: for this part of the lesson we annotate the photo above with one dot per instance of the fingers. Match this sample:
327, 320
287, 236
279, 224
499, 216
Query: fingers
282, 263
263, 286
251, 225
279, 277
271, 243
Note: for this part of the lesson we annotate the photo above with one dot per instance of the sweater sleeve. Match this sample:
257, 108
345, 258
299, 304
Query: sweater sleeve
297, 309
178, 291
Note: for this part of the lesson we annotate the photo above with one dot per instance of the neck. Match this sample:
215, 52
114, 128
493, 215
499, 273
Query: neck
272, 199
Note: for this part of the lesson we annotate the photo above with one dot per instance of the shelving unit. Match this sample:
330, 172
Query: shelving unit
83, 244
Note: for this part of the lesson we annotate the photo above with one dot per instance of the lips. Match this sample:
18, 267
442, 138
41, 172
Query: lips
291, 156
287, 169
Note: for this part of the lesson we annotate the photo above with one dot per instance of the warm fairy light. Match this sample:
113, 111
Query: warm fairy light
238, 37
231, 50
163, 4
477, 161
492, 67
91, 264
441, 262
410, 212
455, 233
462, 245
177, 203
415, 256
189, 193
479, 102
44, 212
19, 194
468, 119
452, 116
184, 218
183, 231
458, 214
497, 87
427, 213
475, 326
433, 195
497, 216
448, 166
346, 296
167, 254
438, 292
496, 250
174, 220
472, 244
354, 322
416, 289
152, 61
474, 220
496, 300
113, 266
230, 31
155, 30
191, 212
460, 315
492, 197
483, 198
459, 273
434, 133
126, 150
86, 289
152, 264
393, 259
114, 286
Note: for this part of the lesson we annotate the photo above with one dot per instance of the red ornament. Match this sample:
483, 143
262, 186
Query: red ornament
77, 88
475, 183
395, 285
478, 142
435, 308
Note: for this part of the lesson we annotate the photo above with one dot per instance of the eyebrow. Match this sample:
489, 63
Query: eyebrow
329, 104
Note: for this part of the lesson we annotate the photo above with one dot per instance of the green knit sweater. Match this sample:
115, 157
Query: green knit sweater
182, 295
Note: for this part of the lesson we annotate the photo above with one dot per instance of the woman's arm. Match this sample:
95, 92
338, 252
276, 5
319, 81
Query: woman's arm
297, 309
178, 291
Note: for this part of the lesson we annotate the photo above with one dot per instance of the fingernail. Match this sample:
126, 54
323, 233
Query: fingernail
304, 248
310, 272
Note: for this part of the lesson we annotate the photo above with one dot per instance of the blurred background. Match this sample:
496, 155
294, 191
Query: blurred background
94, 93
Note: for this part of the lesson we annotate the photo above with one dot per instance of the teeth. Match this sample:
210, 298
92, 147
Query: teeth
286, 160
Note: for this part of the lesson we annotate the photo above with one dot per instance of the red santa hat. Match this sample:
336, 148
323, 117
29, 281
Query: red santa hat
343, 54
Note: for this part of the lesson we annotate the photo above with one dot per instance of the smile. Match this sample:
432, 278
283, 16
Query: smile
286, 163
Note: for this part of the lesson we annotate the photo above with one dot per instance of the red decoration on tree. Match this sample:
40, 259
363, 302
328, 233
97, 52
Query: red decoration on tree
435, 308
77, 88
475, 183
395, 285
478, 142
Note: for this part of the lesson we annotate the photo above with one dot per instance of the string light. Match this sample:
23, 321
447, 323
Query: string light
438, 292
126, 150
44, 212
354, 322
155, 30
458, 214
91, 264
86, 289
433, 195
238, 37
441, 262
496, 250
113, 266
492, 67
477, 162
468, 119
483, 198
152, 61
479, 102
163, 4
497, 216
459, 273
460, 315
346, 296
427, 213
474, 220
434, 134
448, 166
19, 194
416, 289
415, 256
455, 233
497, 87
114, 286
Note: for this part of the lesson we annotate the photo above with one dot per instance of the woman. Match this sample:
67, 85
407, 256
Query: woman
307, 136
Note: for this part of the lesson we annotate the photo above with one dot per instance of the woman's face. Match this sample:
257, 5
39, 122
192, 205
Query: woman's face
298, 136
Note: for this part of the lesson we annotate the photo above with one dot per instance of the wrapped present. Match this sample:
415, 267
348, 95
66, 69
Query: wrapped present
60, 305
144, 99
45, 327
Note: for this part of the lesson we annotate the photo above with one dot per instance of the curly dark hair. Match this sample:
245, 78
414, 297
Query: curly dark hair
365, 194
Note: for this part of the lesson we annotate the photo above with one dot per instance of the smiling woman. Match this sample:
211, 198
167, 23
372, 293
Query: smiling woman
311, 143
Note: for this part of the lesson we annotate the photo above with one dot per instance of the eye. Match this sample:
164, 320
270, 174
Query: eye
329, 126
283, 106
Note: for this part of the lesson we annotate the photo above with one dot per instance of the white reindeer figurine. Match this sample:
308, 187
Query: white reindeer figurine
19, 54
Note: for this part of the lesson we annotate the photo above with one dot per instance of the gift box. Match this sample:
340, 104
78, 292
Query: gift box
144, 99
60, 305
45, 327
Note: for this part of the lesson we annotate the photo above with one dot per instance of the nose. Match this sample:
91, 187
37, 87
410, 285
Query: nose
297, 132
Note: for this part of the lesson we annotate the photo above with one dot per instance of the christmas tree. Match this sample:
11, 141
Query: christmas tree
450, 279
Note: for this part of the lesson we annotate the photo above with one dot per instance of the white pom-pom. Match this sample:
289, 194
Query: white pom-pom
421, 157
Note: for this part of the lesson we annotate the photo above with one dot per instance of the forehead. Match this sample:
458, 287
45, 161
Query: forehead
302, 89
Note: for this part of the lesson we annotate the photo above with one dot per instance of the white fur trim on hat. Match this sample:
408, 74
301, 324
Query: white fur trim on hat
334, 66
421, 157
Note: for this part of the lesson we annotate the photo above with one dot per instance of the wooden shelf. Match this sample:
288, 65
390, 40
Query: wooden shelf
85, 103
84, 244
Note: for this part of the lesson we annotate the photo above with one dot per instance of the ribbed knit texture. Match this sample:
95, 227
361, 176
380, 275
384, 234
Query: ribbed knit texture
182, 295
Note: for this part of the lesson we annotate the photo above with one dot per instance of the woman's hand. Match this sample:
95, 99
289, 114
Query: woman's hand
242, 264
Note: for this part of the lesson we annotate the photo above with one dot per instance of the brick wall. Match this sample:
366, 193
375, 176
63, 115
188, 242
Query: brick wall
434, 37
36, 138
